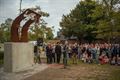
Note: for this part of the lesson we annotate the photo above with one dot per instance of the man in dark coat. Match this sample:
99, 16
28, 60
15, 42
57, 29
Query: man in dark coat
49, 53
58, 52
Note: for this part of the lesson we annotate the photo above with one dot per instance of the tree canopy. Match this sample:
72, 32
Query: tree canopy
5, 30
91, 20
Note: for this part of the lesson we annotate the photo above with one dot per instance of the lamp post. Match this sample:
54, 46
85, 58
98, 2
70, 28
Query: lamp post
20, 5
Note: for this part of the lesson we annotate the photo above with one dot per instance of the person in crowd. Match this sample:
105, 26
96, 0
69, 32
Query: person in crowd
118, 60
118, 50
114, 53
113, 61
109, 52
58, 51
74, 53
36, 54
106, 59
53, 53
79, 52
106, 49
83, 49
65, 54
93, 52
101, 53
49, 53
103, 59
89, 55
69, 51
97, 53
85, 57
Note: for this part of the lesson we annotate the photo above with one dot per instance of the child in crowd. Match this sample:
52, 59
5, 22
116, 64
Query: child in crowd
103, 59
85, 57
89, 60
118, 60
113, 61
74, 54
89, 55
106, 60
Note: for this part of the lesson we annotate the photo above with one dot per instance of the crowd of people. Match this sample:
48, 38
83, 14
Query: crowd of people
88, 53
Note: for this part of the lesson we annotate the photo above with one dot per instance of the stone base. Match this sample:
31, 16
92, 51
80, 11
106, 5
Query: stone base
18, 56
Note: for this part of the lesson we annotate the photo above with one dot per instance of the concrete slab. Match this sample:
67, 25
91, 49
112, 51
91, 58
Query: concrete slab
18, 56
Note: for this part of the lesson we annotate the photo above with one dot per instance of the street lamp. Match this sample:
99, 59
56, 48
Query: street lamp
20, 5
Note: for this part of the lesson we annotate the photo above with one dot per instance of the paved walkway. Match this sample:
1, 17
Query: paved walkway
23, 74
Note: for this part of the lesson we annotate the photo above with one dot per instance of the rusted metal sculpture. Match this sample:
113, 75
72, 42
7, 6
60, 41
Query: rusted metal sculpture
15, 36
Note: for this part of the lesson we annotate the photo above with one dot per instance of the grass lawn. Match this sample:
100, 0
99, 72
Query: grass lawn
79, 71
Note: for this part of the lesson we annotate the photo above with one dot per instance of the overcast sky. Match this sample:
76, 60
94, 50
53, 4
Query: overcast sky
56, 8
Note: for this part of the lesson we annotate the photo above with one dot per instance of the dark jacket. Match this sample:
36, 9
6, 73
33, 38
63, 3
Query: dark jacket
75, 50
48, 50
58, 49
35, 49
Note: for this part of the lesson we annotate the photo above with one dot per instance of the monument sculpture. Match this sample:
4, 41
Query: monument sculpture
15, 36
18, 54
